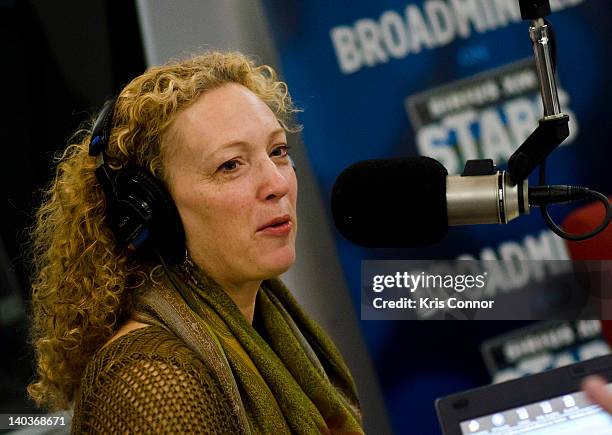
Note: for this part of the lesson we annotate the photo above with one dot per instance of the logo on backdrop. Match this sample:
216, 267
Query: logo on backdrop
369, 41
542, 346
488, 115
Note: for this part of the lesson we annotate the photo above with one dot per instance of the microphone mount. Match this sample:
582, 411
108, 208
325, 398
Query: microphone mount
552, 129
534, 9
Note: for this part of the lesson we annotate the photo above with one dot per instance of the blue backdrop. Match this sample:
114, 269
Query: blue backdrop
452, 79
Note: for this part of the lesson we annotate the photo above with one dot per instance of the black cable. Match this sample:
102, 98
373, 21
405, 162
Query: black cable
186, 298
170, 277
163, 263
575, 237
556, 194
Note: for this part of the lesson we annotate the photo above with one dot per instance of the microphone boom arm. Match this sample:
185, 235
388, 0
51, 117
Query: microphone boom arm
553, 128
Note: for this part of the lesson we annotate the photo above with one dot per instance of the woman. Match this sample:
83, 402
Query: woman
156, 252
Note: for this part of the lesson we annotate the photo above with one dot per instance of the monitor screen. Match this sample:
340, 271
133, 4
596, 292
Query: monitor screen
564, 415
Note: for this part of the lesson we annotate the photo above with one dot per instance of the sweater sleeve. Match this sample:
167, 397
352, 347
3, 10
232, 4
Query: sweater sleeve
150, 383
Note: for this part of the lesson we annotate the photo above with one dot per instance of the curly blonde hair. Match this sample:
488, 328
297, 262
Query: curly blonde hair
81, 281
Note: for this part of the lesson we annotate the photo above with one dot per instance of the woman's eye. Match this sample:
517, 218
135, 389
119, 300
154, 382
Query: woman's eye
281, 151
229, 166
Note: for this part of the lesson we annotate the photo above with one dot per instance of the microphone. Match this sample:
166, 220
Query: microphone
410, 202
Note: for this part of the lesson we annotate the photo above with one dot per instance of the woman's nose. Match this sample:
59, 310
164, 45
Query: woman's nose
273, 182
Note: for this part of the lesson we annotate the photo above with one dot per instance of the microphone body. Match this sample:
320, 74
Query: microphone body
484, 199
410, 202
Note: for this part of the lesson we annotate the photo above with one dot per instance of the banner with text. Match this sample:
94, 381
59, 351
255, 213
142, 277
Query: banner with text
454, 80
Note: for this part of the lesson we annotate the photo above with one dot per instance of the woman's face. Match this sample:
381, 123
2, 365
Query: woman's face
231, 178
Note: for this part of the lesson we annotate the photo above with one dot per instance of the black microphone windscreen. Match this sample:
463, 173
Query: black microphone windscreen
395, 203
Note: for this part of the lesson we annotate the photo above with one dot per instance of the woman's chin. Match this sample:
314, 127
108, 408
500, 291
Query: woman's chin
279, 263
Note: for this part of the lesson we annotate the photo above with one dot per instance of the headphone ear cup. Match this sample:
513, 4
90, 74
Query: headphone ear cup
156, 222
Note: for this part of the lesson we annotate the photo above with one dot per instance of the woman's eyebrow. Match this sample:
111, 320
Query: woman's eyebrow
276, 132
232, 144
242, 143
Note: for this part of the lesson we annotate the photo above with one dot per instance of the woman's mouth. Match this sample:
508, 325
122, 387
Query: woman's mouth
280, 226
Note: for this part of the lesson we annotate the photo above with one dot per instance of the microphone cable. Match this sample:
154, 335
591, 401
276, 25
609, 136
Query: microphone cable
544, 195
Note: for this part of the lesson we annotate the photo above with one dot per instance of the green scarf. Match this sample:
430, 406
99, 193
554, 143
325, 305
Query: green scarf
282, 375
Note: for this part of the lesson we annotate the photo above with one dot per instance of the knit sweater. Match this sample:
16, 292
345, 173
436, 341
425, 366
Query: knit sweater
148, 381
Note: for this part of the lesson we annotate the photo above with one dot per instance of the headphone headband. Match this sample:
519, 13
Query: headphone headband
100, 133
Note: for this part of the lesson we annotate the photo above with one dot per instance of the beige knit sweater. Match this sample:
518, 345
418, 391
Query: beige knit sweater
148, 381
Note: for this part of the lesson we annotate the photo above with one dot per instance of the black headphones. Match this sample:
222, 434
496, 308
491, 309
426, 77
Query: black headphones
140, 211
